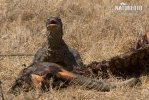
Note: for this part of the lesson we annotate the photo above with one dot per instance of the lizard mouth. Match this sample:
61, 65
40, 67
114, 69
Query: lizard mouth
52, 22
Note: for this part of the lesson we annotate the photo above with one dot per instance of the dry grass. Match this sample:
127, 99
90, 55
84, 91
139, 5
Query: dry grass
91, 27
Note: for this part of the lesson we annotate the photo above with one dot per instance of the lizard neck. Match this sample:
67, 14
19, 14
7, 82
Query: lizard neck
55, 41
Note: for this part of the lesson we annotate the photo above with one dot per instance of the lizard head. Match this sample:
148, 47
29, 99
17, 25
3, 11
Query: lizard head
54, 26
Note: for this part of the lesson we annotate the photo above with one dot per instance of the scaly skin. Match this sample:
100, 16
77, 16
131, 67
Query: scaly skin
39, 74
56, 50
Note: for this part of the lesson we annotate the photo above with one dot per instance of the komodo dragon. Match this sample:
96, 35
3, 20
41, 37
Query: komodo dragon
38, 75
56, 50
